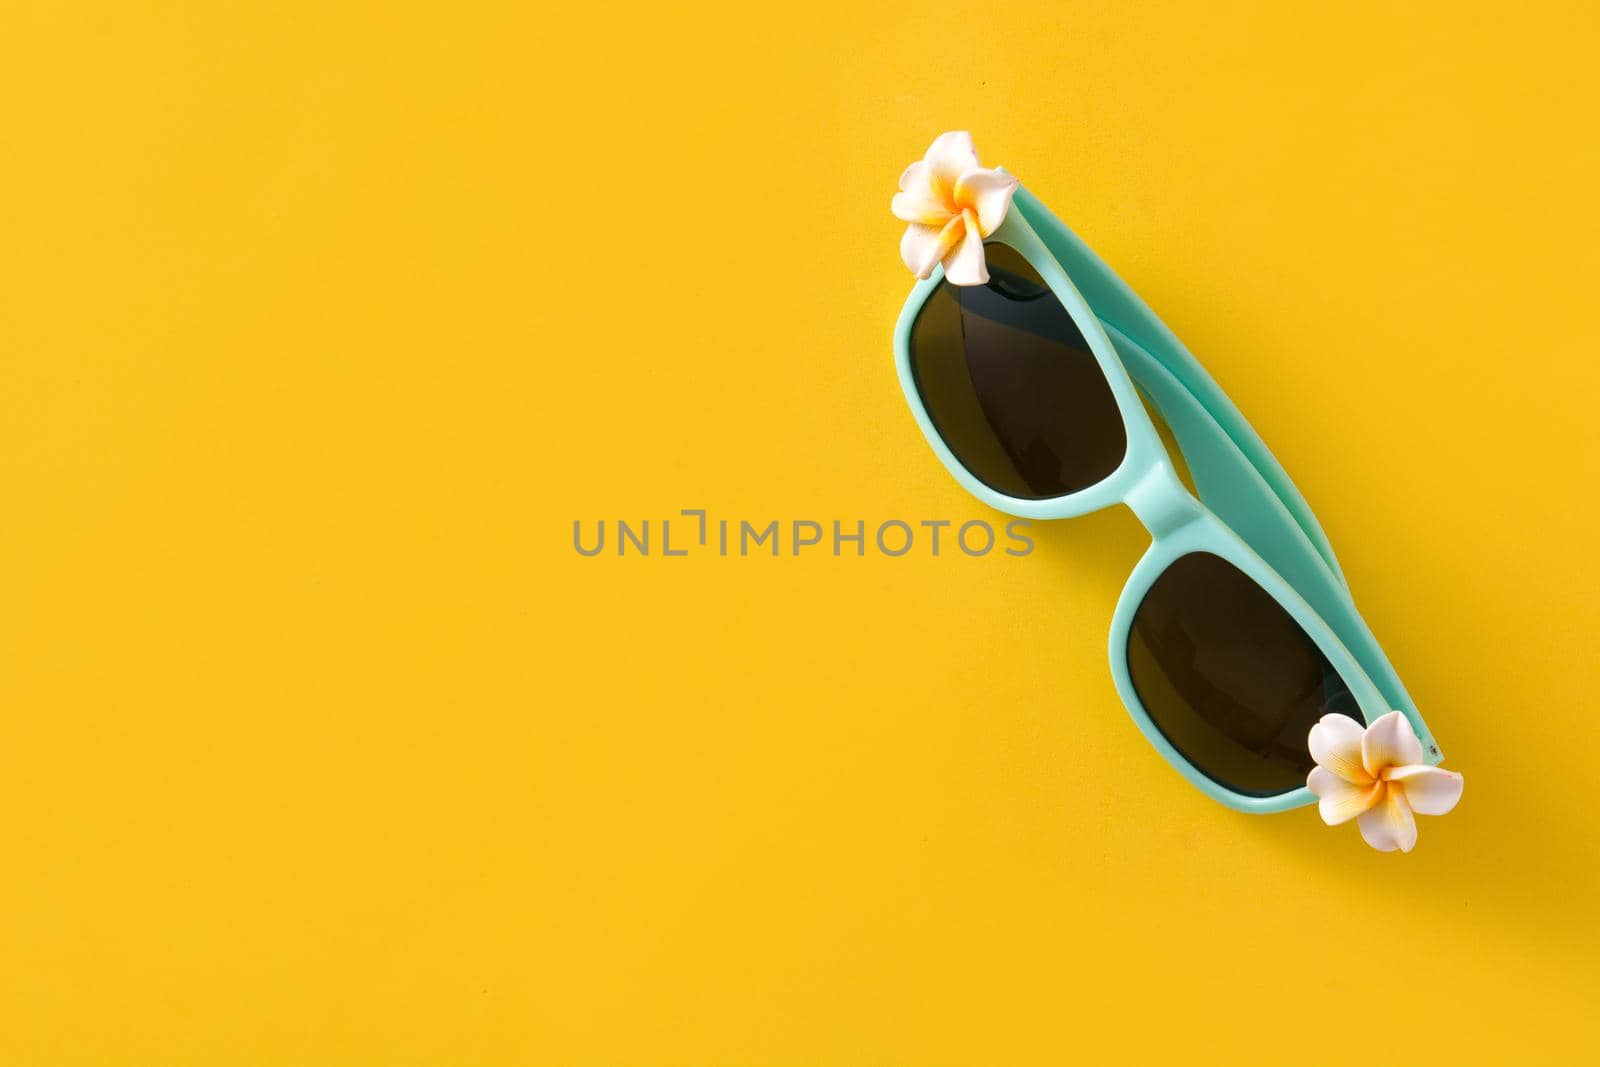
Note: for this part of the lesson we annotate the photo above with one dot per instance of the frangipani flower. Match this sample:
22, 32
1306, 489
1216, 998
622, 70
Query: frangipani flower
1376, 776
952, 204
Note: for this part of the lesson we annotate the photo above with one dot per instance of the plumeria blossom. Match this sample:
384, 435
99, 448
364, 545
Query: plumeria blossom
952, 204
1376, 776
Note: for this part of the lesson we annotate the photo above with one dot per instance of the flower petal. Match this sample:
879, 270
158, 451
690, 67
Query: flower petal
924, 246
987, 192
1335, 743
1389, 825
916, 177
951, 155
920, 199
922, 208
1340, 800
1389, 742
1429, 790
965, 265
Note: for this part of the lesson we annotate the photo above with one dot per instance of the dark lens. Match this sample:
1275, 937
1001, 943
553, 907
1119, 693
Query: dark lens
1011, 385
1229, 677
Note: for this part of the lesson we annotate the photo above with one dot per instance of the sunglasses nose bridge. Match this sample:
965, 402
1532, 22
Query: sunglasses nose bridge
1160, 501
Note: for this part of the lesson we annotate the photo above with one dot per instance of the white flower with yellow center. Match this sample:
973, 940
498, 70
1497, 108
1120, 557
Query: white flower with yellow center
1376, 776
952, 204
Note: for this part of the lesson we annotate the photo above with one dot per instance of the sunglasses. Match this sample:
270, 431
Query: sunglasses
1236, 631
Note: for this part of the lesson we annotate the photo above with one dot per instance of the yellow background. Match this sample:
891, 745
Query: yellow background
321, 323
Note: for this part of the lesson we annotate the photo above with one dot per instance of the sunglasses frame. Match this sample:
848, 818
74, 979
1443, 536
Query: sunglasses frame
1241, 485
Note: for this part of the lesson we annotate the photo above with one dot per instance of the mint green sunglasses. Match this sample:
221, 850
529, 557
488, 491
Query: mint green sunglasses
1236, 631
